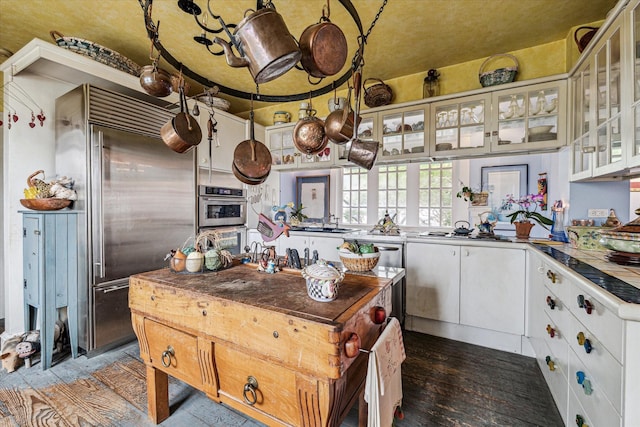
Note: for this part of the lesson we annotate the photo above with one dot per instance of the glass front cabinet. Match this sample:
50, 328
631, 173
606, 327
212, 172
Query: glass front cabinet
459, 126
634, 53
598, 94
403, 132
285, 155
529, 118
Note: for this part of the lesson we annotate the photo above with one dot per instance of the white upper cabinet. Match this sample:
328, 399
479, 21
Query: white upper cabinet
228, 131
459, 126
285, 155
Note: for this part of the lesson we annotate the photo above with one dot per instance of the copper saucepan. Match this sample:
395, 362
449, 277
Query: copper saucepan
251, 160
182, 132
324, 49
339, 124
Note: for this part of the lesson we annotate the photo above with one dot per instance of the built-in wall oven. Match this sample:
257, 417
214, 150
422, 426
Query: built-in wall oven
224, 209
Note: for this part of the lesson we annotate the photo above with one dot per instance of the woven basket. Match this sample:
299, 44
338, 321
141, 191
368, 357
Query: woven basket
378, 94
499, 76
356, 262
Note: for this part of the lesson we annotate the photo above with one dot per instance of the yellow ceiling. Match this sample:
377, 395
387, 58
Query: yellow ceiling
411, 36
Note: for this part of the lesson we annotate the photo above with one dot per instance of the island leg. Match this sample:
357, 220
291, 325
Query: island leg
157, 394
363, 410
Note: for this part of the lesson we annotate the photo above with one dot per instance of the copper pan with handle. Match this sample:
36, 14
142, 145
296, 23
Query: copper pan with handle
251, 159
182, 132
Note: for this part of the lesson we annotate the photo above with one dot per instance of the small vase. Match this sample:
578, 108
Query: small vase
523, 229
294, 221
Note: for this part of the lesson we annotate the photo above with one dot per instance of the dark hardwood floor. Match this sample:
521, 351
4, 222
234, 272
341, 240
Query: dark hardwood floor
445, 383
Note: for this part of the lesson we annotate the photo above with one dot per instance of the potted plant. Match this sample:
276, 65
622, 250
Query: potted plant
477, 198
528, 211
465, 193
296, 217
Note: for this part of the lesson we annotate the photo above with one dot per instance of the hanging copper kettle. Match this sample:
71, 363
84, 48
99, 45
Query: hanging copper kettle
266, 47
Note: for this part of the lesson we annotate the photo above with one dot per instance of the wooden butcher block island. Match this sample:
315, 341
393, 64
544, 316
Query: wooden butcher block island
257, 342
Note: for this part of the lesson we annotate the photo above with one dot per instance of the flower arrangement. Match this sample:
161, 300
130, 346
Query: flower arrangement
528, 205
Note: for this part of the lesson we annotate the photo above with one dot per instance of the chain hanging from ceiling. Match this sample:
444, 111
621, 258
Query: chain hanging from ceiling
188, 6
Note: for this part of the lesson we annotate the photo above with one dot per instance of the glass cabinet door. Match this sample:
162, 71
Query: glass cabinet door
459, 126
607, 104
582, 149
635, 30
280, 143
529, 118
403, 132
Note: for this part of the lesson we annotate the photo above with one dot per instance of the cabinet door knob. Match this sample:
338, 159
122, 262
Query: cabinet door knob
551, 303
585, 303
580, 337
587, 345
551, 331
580, 421
550, 364
167, 355
552, 276
378, 315
352, 345
250, 387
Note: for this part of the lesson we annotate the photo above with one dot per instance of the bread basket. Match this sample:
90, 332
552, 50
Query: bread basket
359, 262
378, 94
500, 75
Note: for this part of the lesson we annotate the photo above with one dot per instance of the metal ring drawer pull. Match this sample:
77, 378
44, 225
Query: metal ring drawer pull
167, 355
250, 386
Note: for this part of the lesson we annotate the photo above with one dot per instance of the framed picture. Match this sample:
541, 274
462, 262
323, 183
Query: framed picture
313, 193
500, 181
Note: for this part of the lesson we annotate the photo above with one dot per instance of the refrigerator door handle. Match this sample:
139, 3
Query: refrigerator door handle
98, 243
114, 288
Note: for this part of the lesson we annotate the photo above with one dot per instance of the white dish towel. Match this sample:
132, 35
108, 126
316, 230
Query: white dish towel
383, 386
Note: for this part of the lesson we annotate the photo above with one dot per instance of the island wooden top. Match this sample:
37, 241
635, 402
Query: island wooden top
283, 292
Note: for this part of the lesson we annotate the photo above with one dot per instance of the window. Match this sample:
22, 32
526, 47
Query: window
435, 194
354, 195
392, 192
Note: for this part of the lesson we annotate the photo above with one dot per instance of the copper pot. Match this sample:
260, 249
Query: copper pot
268, 49
182, 132
309, 135
251, 160
324, 49
156, 81
363, 153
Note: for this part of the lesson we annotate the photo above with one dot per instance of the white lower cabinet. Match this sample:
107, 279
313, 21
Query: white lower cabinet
433, 277
326, 246
461, 292
492, 288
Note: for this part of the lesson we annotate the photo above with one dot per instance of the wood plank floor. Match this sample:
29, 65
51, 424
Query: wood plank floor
445, 383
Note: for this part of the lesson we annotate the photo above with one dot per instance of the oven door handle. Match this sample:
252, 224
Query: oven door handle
388, 248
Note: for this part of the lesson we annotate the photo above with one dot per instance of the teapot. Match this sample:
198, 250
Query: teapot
462, 230
485, 226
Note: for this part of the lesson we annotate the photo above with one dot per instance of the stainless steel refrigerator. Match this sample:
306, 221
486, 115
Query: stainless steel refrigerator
136, 196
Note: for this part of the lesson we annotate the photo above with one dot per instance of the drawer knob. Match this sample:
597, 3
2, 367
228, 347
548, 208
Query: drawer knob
352, 345
580, 377
580, 421
585, 303
550, 364
552, 276
587, 345
580, 337
250, 387
167, 355
378, 315
551, 331
551, 303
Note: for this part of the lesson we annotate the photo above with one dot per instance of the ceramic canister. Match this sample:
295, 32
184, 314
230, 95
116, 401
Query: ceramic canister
280, 117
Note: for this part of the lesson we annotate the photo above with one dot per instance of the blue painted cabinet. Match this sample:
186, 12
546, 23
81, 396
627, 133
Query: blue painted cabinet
50, 258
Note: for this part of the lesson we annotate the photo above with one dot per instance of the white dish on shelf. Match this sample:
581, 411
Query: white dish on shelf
540, 129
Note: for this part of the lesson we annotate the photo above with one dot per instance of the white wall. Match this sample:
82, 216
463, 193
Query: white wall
25, 150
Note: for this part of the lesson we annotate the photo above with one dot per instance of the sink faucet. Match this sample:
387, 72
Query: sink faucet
334, 217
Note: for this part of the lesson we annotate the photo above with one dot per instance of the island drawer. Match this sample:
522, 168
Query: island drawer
173, 351
276, 391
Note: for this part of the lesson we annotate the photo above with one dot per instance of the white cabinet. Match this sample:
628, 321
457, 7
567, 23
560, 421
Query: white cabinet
476, 286
492, 288
325, 245
285, 155
433, 277
230, 131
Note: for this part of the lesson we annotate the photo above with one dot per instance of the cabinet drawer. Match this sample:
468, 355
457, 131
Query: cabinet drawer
601, 322
556, 380
575, 411
602, 367
183, 363
276, 390
557, 344
596, 405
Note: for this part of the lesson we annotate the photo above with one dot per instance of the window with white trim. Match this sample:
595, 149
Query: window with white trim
435, 194
392, 192
354, 195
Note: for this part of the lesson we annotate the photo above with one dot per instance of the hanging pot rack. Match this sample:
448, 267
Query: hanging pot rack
188, 6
